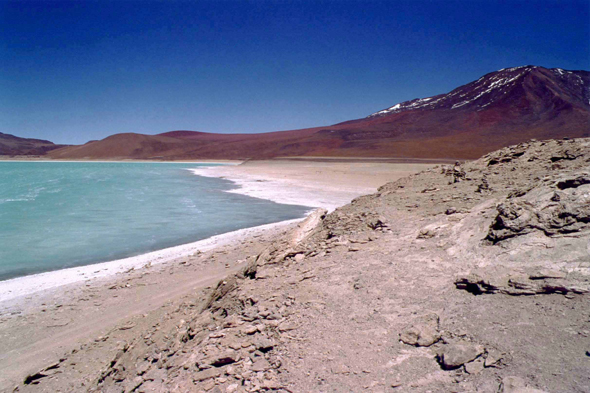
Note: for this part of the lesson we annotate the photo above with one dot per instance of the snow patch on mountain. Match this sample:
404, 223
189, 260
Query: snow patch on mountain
485, 91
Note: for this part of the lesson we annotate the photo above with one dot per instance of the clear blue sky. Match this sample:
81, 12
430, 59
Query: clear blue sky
73, 71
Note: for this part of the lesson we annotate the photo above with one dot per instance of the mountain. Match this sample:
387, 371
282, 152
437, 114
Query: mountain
11, 145
501, 108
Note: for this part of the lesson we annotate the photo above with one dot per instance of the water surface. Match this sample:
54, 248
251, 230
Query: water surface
55, 215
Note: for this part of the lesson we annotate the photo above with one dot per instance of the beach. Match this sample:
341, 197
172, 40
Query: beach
46, 315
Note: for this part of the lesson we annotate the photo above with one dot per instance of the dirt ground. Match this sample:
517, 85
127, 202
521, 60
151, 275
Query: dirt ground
472, 277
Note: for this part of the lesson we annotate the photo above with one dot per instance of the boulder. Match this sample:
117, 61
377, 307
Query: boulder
423, 332
453, 356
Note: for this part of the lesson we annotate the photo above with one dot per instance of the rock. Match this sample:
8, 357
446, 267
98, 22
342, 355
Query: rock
537, 211
299, 257
423, 332
483, 186
286, 326
546, 273
232, 388
270, 384
453, 356
250, 329
426, 233
340, 369
515, 284
516, 385
493, 358
217, 335
475, 367
232, 321
234, 345
222, 359
261, 364
573, 182
207, 374
209, 385
475, 284
263, 344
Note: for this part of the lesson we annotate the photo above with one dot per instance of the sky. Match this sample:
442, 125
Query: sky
74, 71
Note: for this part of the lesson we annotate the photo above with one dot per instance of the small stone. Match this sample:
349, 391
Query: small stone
426, 233
455, 355
546, 273
209, 385
493, 358
299, 257
475, 367
222, 359
263, 344
270, 384
234, 345
286, 326
261, 364
423, 332
450, 210
207, 374
232, 388
250, 329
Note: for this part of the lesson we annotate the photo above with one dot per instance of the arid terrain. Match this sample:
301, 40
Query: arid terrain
11, 145
462, 278
504, 107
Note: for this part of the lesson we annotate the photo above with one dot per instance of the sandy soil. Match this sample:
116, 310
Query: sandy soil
90, 310
325, 184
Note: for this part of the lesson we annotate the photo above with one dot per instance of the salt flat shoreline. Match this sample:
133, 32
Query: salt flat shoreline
326, 185
26, 285
75, 306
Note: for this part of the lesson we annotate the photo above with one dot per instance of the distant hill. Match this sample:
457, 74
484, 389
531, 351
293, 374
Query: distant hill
11, 145
499, 109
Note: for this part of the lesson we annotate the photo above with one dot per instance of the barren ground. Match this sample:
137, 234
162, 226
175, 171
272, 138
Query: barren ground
462, 278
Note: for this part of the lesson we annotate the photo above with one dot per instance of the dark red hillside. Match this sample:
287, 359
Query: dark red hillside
11, 145
499, 109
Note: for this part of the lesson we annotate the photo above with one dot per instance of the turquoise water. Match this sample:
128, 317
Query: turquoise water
55, 215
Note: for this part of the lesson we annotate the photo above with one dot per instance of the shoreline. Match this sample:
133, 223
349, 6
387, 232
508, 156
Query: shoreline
270, 180
221, 162
60, 317
19, 287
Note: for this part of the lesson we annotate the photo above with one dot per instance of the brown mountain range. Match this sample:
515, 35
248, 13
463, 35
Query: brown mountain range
11, 145
499, 109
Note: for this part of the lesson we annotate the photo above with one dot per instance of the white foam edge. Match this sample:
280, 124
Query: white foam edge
28, 285
289, 192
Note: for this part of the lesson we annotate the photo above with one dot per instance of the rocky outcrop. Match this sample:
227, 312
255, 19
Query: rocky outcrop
559, 209
228, 347
512, 282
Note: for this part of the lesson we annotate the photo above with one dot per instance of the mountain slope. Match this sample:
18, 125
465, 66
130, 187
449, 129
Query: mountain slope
11, 145
501, 108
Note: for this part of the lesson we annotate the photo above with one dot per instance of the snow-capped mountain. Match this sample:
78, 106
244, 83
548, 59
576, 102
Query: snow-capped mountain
501, 87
